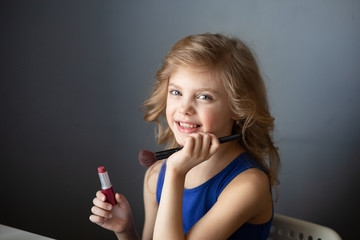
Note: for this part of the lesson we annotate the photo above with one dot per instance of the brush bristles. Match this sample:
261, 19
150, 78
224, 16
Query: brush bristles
147, 158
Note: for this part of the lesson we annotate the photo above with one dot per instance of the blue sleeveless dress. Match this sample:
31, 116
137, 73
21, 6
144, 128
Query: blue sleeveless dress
198, 201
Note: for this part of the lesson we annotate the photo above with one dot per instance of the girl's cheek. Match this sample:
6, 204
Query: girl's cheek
169, 114
207, 121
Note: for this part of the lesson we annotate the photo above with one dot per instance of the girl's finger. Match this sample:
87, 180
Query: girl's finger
198, 139
101, 196
206, 144
122, 201
214, 144
96, 219
101, 212
101, 204
189, 144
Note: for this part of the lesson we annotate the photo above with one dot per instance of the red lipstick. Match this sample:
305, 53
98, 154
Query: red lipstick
106, 187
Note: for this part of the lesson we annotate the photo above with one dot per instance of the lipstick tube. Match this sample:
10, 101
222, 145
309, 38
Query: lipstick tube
106, 187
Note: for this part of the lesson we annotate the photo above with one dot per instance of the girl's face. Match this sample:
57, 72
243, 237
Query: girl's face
197, 102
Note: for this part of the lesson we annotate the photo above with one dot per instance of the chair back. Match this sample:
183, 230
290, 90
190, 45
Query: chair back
289, 228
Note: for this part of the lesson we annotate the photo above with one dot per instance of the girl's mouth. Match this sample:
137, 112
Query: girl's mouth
187, 127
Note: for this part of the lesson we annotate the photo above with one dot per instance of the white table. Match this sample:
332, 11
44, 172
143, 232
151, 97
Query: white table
10, 233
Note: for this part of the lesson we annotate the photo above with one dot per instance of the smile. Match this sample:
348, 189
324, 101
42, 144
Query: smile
187, 125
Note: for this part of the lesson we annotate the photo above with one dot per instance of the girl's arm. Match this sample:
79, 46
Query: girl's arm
197, 148
169, 219
150, 203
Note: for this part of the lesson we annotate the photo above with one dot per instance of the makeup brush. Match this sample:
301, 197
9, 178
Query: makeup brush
148, 158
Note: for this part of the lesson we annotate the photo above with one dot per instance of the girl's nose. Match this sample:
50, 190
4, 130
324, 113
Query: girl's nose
186, 107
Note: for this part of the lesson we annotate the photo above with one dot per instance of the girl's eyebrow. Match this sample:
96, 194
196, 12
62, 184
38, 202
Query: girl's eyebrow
173, 85
211, 90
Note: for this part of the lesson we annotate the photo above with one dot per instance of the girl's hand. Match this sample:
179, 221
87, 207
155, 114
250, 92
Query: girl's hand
198, 148
116, 218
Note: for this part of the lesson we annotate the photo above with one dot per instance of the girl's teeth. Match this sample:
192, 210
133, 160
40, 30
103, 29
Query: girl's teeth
186, 125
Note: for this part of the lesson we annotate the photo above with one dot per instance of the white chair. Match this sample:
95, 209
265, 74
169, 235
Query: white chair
288, 228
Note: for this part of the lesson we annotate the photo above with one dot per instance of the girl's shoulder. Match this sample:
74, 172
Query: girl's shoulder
252, 189
251, 178
152, 175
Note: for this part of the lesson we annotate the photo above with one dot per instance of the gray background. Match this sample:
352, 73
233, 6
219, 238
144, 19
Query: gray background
74, 74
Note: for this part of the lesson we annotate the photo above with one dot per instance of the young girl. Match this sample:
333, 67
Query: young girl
209, 86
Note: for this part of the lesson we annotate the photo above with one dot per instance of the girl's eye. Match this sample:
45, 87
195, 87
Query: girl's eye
175, 92
205, 97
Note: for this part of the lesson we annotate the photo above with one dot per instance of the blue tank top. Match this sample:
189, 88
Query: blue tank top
198, 201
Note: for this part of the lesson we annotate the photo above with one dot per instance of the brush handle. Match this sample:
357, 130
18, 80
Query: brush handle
166, 153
